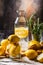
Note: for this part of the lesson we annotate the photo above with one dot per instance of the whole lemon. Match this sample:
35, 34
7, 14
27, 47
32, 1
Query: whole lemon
31, 54
4, 43
33, 44
8, 47
14, 51
2, 51
13, 38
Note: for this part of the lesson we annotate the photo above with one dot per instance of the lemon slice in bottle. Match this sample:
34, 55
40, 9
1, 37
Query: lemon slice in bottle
22, 32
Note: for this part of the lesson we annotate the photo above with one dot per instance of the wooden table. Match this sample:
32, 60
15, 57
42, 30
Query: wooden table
8, 61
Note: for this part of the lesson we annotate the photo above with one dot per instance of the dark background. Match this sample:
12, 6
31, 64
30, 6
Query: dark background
9, 15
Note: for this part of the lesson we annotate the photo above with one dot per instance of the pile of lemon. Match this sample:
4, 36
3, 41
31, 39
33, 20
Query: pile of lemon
10, 46
35, 51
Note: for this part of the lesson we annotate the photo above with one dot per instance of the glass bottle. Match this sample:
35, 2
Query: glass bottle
20, 25
21, 28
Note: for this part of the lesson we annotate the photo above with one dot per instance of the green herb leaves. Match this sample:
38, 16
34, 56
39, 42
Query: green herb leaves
35, 26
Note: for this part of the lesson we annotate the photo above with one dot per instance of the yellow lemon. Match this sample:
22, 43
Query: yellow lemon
33, 44
8, 47
13, 38
1, 51
14, 51
4, 43
31, 54
22, 32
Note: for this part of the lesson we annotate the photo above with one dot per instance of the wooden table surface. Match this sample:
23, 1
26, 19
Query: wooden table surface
22, 61
7, 61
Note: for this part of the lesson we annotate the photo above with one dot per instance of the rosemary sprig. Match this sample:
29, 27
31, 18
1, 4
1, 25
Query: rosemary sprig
35, 27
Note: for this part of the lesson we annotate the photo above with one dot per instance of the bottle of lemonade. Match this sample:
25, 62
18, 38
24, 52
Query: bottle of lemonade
20, 25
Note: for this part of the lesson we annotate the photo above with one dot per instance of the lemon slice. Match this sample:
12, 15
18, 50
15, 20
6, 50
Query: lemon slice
22, 32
